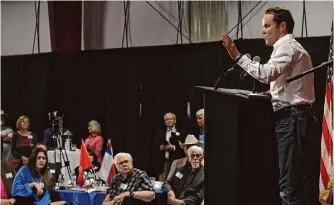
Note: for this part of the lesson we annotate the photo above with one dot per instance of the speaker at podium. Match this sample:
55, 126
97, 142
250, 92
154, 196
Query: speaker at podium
241, 164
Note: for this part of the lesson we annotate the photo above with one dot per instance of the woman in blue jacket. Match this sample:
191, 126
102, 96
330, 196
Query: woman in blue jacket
33, 182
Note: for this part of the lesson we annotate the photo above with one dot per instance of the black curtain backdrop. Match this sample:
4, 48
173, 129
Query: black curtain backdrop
109, 85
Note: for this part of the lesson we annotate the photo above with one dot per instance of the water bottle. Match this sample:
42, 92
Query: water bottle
74, 179
61, 180
68, 145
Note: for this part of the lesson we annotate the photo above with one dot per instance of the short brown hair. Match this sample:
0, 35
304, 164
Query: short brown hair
282, 15
20, 119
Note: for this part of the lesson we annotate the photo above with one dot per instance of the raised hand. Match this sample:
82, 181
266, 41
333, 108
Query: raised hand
230, 46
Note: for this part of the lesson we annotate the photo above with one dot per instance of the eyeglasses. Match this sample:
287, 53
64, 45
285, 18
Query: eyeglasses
123, 162
196, 155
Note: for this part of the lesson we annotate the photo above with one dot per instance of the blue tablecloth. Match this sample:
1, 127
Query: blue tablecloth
81, 198
85, 198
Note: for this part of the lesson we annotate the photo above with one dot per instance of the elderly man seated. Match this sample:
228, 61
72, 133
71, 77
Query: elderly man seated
187, 183
130, 183
190, 141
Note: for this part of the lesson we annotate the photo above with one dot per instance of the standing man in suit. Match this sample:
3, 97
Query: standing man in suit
166, 150
186, 186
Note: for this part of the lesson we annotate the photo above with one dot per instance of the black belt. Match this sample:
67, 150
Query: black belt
288, 109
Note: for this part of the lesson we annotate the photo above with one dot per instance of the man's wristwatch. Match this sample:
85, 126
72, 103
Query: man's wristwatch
237, 59
131, 194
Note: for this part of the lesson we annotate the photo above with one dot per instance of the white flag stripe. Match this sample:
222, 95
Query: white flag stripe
325, 157
107, 163
105, 167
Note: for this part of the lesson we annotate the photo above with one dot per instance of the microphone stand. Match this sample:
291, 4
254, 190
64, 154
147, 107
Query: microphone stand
216, 84
299, 75
226, 73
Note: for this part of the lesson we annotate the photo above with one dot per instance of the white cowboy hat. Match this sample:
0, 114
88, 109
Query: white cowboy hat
190, 140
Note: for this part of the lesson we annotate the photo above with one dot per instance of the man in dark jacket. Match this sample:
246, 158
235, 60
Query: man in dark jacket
166, 149
186, 186
60, 135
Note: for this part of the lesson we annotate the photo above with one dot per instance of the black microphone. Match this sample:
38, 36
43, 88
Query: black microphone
228, 72
235, 64
244, 73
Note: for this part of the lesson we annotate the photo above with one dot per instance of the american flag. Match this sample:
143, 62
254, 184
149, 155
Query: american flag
326, 161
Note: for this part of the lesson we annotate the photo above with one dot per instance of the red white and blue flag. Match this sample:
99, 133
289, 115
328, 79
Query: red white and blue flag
107, 170
326, 161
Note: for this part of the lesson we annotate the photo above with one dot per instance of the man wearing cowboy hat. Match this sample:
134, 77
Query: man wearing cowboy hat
190, 141
6, 136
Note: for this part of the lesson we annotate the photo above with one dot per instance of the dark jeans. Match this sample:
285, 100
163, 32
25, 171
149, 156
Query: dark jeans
294, 136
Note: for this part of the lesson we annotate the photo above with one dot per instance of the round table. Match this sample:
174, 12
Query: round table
73, 158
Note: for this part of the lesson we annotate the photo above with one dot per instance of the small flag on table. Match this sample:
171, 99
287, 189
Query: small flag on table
107, 170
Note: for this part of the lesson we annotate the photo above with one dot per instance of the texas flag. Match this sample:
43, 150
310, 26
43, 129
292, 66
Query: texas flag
107, 170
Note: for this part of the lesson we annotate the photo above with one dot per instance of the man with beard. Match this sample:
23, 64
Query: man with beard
190, 141
130, 183
186, 186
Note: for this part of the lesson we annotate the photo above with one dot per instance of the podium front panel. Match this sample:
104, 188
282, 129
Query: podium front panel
241, 165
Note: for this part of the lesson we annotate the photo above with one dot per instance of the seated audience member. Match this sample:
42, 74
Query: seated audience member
23, 142
7, 177
130, 183
53, 143
166, 149
201, 144
88, 173
186, 186
190, 141
94, 141
6, 137
41, 145
200, 123
33, 182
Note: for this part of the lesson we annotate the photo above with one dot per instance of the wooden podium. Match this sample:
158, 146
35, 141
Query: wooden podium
241, 165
